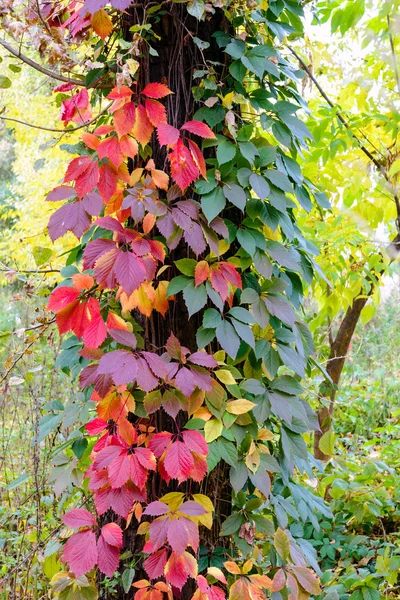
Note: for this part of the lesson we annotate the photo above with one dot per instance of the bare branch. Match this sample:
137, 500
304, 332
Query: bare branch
59, 130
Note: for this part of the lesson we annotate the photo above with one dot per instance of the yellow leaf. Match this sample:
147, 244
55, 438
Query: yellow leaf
101, 23
265, 435
281, 543
204, 501
248, 565
217, 574
143, 528
239, 407
220, 356
196, 401
225, 376
202, 413
173, 499
212, 430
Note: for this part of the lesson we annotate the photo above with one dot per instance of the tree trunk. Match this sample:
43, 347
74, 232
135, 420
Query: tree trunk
178, 57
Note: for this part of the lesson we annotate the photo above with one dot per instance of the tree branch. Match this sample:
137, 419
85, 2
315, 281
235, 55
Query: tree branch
38, 67
339, 115
58, 130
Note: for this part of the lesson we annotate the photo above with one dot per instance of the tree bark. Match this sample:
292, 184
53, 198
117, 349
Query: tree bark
178, 57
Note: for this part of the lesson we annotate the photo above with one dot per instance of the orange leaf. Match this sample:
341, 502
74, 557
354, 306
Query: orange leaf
128, 146
148, 223
160, 178
201, 272
160, 303
90, 140
101, 23
232, 567
142, 128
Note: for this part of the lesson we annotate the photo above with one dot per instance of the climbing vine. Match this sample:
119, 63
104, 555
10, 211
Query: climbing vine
182, 298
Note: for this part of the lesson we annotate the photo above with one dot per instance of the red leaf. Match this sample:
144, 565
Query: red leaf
155, 564
95, 333
178, 461
80, 552
179, 568
198, 128
108, 557
107, 182
124, 119
159, 442
219, 283
62, 297
231, 274
199, 470
183, 168
109, 148
156, 90
143, 128
76, 167
79, 517
198, 157
167, 135
90, 140
155, 111
112, 534
96, 426
195, 442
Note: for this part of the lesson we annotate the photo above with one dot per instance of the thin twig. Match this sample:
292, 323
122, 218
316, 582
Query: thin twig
395, 66
59, 130
339, 115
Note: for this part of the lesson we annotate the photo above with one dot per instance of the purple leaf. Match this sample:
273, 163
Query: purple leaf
62, 192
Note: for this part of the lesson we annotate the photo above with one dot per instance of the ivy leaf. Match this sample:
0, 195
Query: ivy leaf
260, 186
213, 203
226, 152
195, 297
232, 524
235, 194
228, 338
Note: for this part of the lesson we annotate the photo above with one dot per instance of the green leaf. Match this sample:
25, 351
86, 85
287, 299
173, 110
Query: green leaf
327, 443
255, 64
246, 240
228, 338
236, 48
127, 579
23, 478
241, 314
248, 150
232, 524
177, 284
213, 203
227, 451
196, 8
260, 186
211, 318
5, 82
237, 70
195, 297
186, 266
212, 430
204, 337
79, 446
226, 152
41, 255
235, 194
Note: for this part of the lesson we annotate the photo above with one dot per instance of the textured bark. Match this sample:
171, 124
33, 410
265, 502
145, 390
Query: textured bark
177, 59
